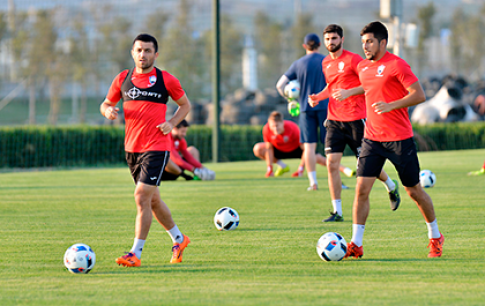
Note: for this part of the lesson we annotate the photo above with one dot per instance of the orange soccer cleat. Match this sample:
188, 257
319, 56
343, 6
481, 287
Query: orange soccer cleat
128, 260
178, 249
354, 251
436, 246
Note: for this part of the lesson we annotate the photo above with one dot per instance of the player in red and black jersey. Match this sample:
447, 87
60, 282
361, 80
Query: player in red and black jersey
390, 88
145, 91
346, 115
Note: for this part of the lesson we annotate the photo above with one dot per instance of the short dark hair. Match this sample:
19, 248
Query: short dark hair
147, 38
334, 28
312, 41
377, 28
276, 116
182, 124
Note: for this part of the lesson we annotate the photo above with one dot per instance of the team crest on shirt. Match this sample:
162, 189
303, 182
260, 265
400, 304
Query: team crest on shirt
286, 138
380, 70
152, 80
341, 66
176, 144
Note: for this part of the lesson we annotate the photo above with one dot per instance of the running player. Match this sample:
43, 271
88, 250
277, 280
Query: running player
390, 88
282, 141
145, 91
346, 116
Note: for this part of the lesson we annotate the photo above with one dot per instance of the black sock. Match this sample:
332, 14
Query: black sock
186, 176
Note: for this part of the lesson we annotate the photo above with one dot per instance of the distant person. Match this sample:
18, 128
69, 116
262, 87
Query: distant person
145, 91
282, 141
478, 172
390, 88
308, 71
346, 116
184, 158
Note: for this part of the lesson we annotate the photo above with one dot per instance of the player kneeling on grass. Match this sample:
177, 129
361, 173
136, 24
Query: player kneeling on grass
282, 141
183, 158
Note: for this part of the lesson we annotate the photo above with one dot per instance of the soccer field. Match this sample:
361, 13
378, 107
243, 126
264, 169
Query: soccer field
270, 259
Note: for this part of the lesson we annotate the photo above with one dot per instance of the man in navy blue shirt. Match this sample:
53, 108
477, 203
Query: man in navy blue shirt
307, 70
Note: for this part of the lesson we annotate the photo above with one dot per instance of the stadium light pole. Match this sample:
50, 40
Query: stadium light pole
216, 71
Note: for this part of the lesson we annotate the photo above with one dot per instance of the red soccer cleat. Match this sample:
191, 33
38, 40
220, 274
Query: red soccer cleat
436, 246
354, 251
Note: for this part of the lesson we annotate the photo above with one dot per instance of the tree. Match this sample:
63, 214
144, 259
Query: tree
425, 20
268, 38
82, 65
425, 16
231, 55
302, 26
156, 24
182, 50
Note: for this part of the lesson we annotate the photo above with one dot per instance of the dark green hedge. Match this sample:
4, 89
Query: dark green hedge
73, 146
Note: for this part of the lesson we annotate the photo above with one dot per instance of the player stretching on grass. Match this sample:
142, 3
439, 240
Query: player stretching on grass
390, 88
145, 91
183, 158
282, 141
346, 116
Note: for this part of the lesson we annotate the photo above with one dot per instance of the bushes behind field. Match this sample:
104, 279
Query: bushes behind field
34, 147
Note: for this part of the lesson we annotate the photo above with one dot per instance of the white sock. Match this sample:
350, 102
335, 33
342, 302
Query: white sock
281, 164
433, 231
337, 207
176, 234
312, 176
348, 171
301, 169
390, 186
358, 234
137, 248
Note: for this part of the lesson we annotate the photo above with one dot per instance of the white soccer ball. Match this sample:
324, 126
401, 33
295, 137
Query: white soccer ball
331, 247
427, 178
226, 219
292, 90
79, 258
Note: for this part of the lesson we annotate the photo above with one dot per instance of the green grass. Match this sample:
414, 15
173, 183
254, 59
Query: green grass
269, 260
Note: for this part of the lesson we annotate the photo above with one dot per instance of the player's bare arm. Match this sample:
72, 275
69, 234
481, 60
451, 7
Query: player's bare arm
416, 96
342, 94
314, 99
108, 110
280, 85
180, 113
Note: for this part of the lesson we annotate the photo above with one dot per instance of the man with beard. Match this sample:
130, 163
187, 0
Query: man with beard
145, 91
346, 115
307, 70
390, 88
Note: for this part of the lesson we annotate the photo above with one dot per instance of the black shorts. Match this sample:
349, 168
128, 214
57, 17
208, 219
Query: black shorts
340, 134
296, 153
167, 176
402, 154
147, 167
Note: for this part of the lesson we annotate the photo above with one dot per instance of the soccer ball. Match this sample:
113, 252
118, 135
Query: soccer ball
226, 219
427, 178
79, 258
292, 90
331, 247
